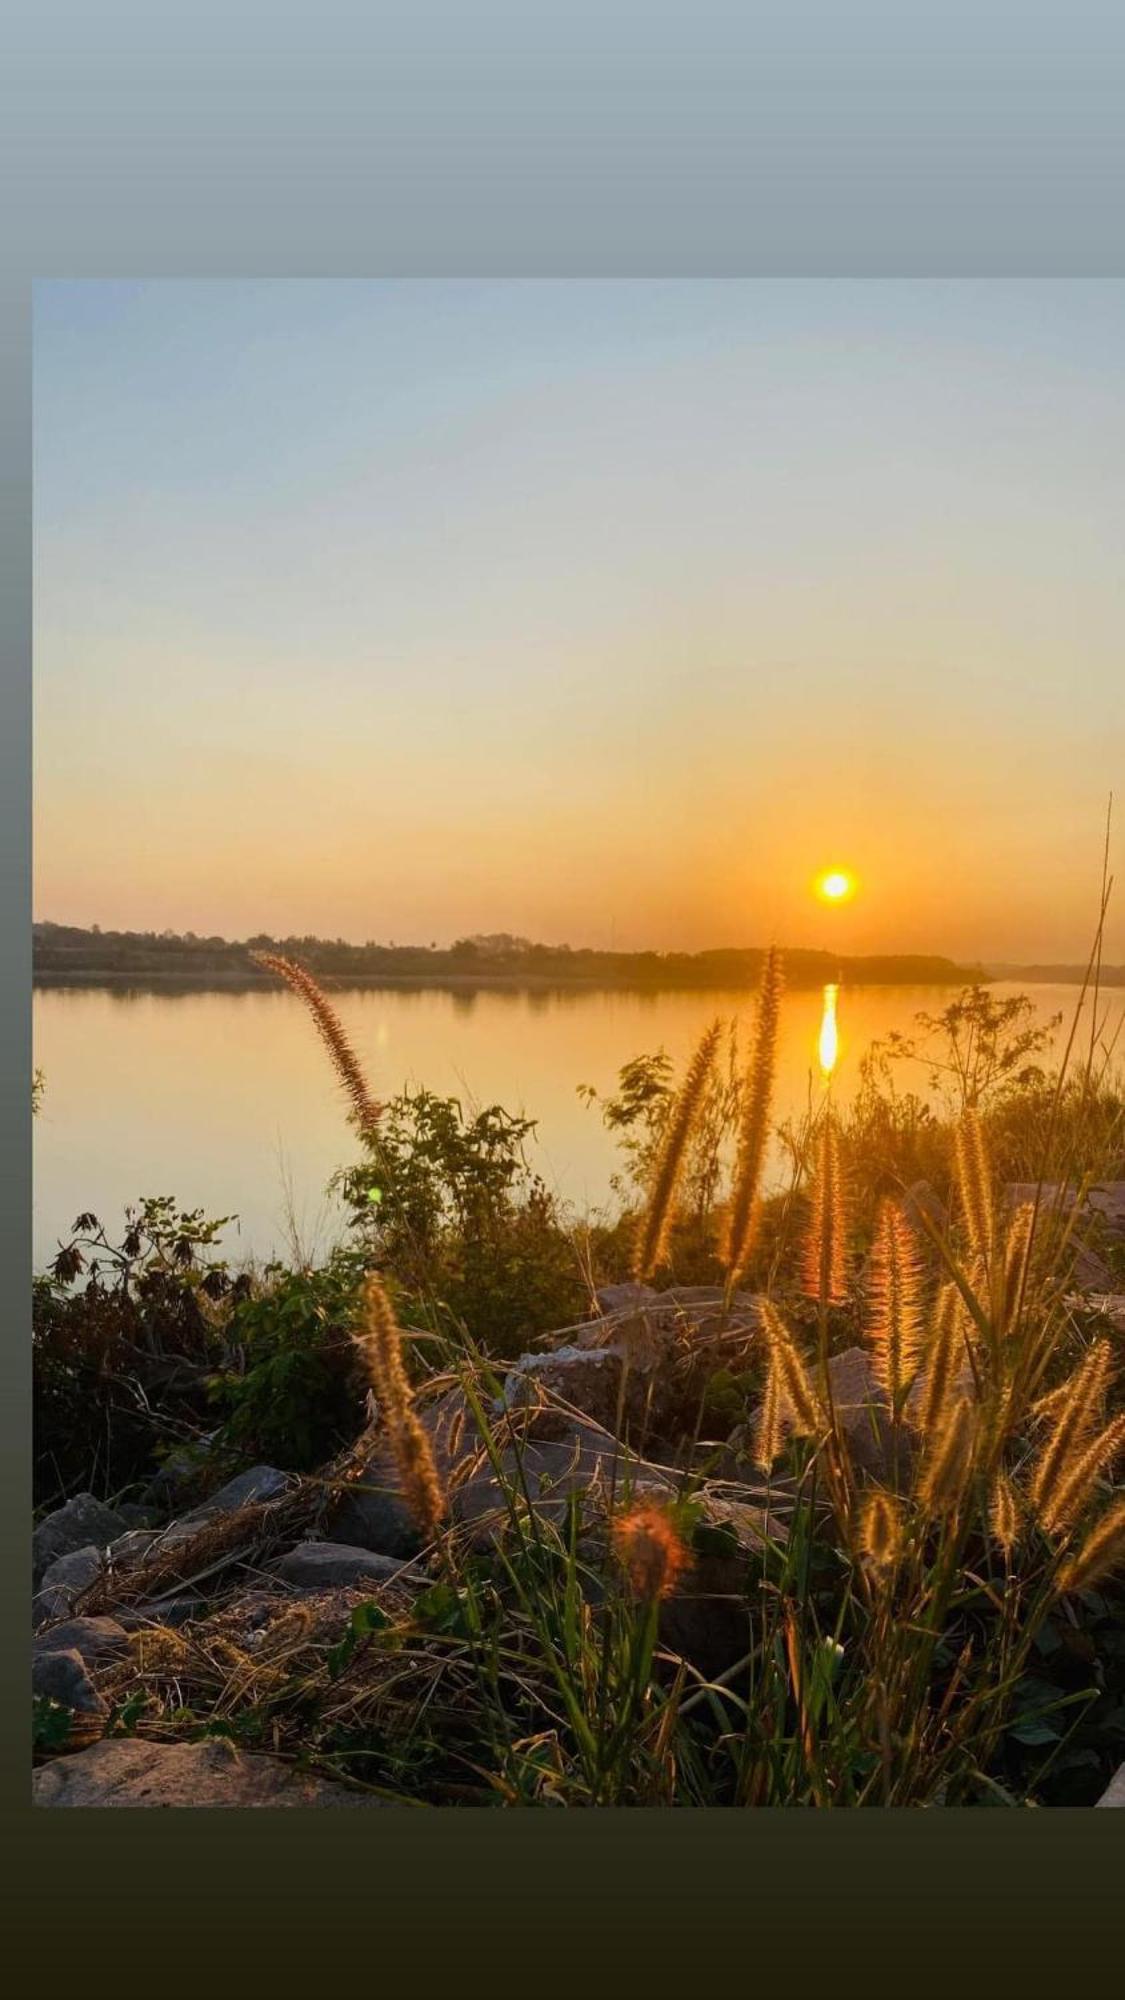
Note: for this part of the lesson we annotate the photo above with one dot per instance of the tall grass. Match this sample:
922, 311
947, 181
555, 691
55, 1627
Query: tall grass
888, 1624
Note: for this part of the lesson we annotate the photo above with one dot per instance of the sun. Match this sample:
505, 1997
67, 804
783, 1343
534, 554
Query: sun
836, 885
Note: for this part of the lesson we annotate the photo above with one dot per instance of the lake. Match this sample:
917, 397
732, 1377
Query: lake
226, 1099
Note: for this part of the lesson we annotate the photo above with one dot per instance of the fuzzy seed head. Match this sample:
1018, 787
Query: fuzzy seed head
655, 1224
894, 1325
946, 1468
880, 1530
743, 1214
824, 1264
651, 1551
1101, 1553
344, 1060
974, 1181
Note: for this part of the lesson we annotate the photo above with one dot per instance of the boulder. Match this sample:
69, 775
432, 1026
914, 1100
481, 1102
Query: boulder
1090, 1273
96, 1639
877, 1445
334, 1566
82, 1522
545, 1453
1114, 1794
124, 1771
921, 1204
260, 1483
61, 1676
649, 1356
613, 1299
63, 1583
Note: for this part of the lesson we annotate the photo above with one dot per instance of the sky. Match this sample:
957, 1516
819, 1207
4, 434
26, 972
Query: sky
601, 612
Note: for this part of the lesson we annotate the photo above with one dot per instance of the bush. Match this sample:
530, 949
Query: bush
293, 1394
125, 1336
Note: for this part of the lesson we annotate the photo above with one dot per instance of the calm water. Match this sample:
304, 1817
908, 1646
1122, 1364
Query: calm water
226, 1101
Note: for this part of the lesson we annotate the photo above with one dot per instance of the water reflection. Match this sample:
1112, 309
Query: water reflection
216, 1097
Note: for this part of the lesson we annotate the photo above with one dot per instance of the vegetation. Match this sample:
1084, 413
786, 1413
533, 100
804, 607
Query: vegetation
63, 951
936, 1621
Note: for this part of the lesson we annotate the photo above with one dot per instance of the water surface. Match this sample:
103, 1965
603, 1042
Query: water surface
226, 1100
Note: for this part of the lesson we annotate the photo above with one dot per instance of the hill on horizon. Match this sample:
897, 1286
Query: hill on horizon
67, 951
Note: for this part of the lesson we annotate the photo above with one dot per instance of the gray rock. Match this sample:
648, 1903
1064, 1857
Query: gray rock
877, 1446
921, 1200
1114, 1794
62, 1676
588, 1379
180, 1609
96, 1639
63, 1583
333, 1565
623, 1298
125, 1771
82, 1522
262, 1482
1090, 1273
128, 1547
545, 1457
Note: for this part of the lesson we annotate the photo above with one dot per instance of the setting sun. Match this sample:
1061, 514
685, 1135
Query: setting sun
835, 886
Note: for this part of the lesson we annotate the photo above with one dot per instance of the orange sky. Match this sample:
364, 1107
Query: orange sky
589, 611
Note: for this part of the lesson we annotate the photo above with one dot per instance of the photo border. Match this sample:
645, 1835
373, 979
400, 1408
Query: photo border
443, 140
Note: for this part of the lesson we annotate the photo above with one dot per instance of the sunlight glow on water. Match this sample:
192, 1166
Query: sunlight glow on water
225, 1099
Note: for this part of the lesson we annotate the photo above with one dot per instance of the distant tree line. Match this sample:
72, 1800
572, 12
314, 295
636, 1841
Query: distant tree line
62, 951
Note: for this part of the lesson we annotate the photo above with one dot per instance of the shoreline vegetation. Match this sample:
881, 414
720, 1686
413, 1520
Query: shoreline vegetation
732, 1499
64, 954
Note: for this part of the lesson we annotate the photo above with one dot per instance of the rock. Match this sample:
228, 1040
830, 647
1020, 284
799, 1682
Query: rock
128, 1547
551, 1451
82, 1522
96, 1639
1107, 1200
588, 1379
262, 1482
1104, 1206
61, 1675
863, 1414
1114, 1794
1111, 1306
181, 1609
613, 1299
370, 1513
333, 1565
124, 1771
63, 1583
136, 1516
920, 1200
664, 1343
1090, 1273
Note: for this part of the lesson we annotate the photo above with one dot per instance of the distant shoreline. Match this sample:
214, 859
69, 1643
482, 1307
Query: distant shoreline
513, 982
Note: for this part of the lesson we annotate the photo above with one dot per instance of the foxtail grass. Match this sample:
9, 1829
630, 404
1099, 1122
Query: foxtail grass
894, 1315
651, 1244
744, 1212
824, 1253
364, 1109
379, 1339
